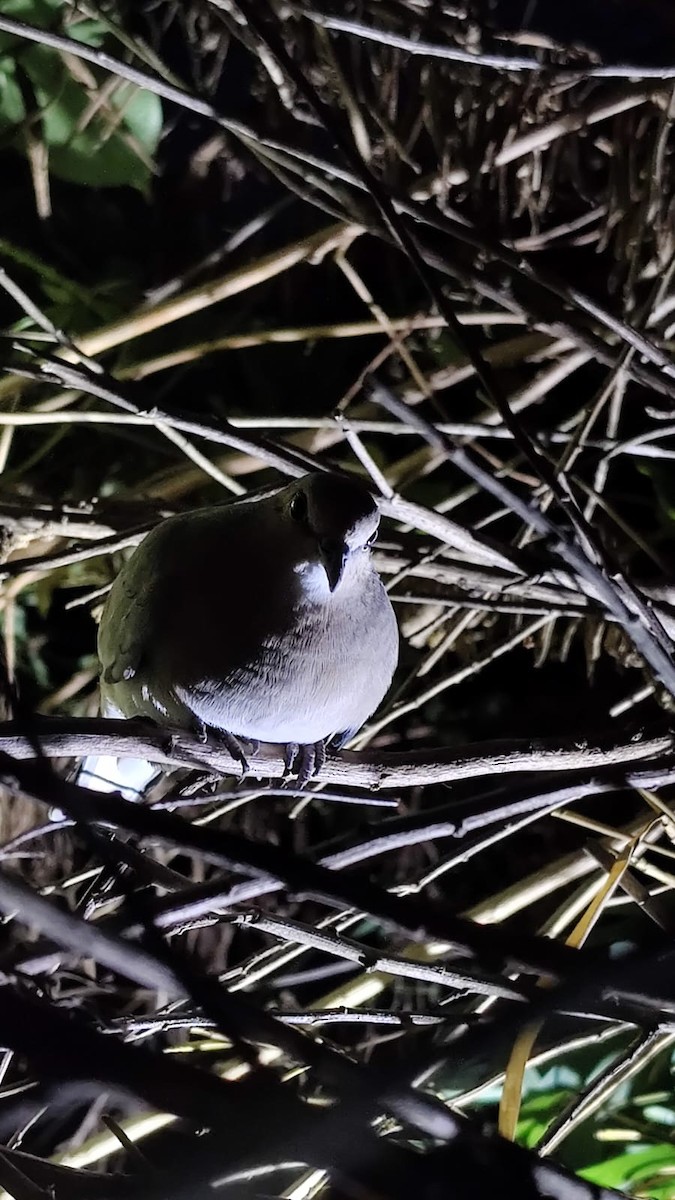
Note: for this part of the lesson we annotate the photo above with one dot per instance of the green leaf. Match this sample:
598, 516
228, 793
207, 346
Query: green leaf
536, 1114
68, 303
34, 12
143, 116
98, 149
107, 146
91, 32
662, 1191
529, 1132
12, 110
627, 1170
545, 1103
40, 13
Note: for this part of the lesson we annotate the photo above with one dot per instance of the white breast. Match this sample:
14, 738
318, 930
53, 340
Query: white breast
327, 674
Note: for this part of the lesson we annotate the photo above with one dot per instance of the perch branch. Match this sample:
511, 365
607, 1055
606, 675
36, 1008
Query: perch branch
72, 738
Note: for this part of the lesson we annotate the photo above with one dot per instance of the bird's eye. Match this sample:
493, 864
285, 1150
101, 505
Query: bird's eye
298, 507
372, 539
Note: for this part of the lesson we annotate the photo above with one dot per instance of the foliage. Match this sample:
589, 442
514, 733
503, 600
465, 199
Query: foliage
187, 302
92, 133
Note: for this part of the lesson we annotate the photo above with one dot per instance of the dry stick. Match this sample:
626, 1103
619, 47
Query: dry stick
628, 609
246, 981
550, 806
33, 311
541, 386
18, 899
581, 335
536, 598
164, 969
437, 578
41, 320
65, 558
166, 429
364, 956
615, 385
463, 229
483, 1043
501, 62
147, 969
78, 737
266, 962
159, 1023
270, 864
533, 802
146, 319
615, 592
195, 906
464, 232
96, 1149
368, 987
593, 906
603, 356
63, 1043
596, 1038
286, 459
142, 79
26, 418
301, 875
312, 333
182, 443
398, 342
230, 850
412, 46
201, 904
26, 570
292, 462
638, 446
645, 1047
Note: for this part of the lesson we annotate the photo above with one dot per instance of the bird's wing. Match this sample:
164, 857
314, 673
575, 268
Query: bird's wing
128, 614
169, 613
121, 657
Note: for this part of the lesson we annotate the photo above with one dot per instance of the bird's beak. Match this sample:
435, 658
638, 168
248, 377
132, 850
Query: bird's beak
334, 554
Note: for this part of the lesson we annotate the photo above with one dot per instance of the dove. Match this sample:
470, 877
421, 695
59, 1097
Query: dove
263, 620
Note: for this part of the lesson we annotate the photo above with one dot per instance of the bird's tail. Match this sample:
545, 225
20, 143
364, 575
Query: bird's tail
128, 776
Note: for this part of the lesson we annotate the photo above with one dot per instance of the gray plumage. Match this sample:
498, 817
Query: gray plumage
263, 618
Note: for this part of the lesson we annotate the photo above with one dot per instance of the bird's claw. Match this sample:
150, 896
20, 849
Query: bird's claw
234, 747
310, 759
200, 731
231, 743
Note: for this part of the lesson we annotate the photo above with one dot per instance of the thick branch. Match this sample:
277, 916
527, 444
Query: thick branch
59, 737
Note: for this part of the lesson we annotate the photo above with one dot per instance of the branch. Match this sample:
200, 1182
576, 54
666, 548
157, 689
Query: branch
499, 62
66, 737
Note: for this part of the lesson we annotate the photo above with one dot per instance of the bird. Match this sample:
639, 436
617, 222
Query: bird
259, 620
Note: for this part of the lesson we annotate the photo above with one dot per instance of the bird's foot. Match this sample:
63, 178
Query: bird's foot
235, 747
209, 782
309, 759
199, 730
231, 743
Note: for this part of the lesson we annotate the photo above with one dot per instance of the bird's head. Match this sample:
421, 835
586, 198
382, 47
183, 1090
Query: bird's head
338, 516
